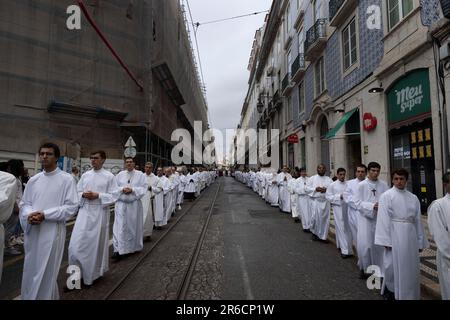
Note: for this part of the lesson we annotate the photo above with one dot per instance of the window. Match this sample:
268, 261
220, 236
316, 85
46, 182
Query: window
301, 42
397, 10
301, 98
317, 10
289, 109
319, 77
350, 51
288, 24
303, 152
289, 61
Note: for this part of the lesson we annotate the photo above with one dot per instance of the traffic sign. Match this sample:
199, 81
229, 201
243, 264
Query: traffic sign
130, 143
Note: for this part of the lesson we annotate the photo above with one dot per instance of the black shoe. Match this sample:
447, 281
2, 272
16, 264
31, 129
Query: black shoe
116, 256
297, 220
306, 231
148, 239
314, 237
346, 256
158, 228
363, 275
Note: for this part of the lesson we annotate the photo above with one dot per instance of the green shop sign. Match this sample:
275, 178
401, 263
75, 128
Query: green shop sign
409, 96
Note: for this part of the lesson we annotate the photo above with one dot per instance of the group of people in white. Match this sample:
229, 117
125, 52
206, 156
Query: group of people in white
383, 224
143, 202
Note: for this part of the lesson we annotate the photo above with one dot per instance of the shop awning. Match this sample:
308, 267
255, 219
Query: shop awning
339, 125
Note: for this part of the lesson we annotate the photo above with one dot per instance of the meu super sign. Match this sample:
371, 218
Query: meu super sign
408, 97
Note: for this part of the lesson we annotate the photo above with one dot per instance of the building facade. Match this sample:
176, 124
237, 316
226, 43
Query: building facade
354, 82
67, 86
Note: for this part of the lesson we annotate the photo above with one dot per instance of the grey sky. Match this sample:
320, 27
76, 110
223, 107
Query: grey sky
225, 50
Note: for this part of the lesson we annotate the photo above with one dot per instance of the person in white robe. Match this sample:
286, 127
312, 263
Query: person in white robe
319, 205
284, 195
129, 215
303, 200
49, 200
352, 188
272, 190
335, 194
198, 183
181, 186
292, 185
89, 242
8, 192
158, 203
439, 225
261, 184
190, 186
148, 202
175, 182
168, 194
399, 229
367, 197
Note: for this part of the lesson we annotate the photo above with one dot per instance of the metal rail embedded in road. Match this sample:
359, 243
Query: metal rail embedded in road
120, 283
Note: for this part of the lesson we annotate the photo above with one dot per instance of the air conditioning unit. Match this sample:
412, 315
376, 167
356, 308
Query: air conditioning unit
445, 4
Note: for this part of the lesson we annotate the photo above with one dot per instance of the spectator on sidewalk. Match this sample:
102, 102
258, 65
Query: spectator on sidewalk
439, 224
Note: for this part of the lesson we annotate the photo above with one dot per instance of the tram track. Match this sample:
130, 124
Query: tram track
183, 287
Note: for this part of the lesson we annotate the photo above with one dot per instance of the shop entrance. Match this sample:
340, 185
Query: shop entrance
412, 149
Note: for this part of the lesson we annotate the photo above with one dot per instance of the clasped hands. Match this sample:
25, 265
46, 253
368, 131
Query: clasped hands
90, 195
127, 190
321, 189
36, 218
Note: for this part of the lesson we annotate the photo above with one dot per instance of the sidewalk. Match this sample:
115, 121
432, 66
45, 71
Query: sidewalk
429, 275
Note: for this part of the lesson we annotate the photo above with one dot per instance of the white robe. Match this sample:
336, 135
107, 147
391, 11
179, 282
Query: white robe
285, 196
272, 190
319, 205
55, 194
399, 226
8, 192
352, 189
262, 184
147, 206
167, 191
158, 203
89, 242
368, 252
340, 213
181, 186
190, 183
303, 200
128, 223
175, 182
439, 225
292, 184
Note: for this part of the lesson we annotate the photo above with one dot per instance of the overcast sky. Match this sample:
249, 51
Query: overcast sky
225, 51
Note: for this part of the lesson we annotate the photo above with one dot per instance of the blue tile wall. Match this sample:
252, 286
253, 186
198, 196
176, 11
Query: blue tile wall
370, 55
430, 11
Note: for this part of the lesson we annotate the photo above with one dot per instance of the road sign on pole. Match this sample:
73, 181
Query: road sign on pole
130, 143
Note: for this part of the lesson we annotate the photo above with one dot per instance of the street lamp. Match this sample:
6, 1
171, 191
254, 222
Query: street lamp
377, 89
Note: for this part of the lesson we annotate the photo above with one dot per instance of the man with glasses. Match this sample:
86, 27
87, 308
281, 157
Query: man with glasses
89, 244
129, 216
49, 200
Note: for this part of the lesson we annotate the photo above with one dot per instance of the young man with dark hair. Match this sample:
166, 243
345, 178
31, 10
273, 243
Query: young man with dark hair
89, 244
335, 194
319, 205
303, 200
439, 224
366, 199
349, 198
399, 230
129, 218
49, 200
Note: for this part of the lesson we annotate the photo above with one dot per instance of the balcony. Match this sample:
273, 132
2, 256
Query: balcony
276, 101
340, 10
298, 68
316, 40
286, 85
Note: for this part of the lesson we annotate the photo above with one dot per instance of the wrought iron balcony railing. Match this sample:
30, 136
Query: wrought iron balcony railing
317, 31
